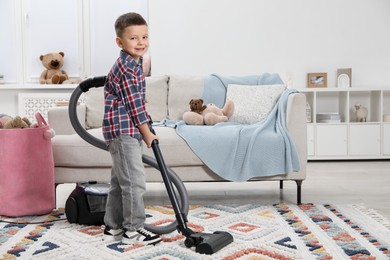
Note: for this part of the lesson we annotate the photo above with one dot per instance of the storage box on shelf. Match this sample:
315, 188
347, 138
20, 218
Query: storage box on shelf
334, 132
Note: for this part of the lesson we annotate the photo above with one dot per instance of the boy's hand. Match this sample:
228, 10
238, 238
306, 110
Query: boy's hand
147, 135
149, 140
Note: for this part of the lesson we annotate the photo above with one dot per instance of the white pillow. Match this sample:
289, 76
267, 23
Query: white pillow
252, 104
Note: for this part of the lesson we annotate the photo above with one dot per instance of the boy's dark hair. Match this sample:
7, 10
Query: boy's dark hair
126, 20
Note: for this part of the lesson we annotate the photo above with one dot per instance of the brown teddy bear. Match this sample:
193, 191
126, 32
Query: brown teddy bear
53, 74
210, 114
196, 105
16, 122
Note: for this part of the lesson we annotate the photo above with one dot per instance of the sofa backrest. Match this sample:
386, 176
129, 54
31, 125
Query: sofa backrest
156, 96
168, 97
181, 90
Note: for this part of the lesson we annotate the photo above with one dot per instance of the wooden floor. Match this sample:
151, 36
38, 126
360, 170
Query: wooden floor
345, 182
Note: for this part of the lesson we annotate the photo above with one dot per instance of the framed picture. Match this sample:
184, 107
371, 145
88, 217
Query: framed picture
317, 80
344, 78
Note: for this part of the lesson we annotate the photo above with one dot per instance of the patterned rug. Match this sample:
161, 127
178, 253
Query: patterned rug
277, 231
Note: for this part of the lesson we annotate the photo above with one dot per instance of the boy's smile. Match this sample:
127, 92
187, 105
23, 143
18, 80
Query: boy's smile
134, 40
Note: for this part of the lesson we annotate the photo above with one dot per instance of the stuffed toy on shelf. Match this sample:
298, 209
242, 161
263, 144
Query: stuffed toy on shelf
53, 74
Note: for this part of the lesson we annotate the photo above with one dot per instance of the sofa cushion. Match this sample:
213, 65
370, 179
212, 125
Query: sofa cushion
252, 104
181, 90
94, 102
156, 96
72, 151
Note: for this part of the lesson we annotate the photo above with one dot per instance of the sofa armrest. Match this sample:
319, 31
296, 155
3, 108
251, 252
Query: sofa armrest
58, 119
296, 124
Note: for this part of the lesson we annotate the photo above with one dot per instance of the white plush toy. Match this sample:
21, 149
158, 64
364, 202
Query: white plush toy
361, 113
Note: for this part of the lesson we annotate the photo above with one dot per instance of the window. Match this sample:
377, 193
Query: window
51, 26
9, 41
82, 29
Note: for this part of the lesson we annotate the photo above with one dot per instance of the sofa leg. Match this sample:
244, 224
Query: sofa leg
299, 191
281, 184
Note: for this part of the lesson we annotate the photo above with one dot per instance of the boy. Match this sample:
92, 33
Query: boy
125, 124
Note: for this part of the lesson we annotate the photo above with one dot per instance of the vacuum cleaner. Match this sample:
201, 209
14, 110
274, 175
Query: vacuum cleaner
204, 243
86, 204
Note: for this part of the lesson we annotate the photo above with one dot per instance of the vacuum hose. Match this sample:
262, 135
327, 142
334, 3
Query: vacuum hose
98, 82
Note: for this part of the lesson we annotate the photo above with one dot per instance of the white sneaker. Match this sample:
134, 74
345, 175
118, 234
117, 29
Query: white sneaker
111, 235
140, 236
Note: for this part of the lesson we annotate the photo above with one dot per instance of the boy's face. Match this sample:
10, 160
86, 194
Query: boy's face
134, 41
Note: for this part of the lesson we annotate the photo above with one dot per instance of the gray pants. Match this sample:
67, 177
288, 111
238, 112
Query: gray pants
125, 204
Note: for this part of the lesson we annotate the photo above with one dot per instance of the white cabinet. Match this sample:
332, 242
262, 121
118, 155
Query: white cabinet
365, 140
386, 139
26, 100
341, 136
310, 140
331, 140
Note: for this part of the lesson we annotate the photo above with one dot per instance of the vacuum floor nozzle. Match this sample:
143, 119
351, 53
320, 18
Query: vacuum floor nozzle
209, 243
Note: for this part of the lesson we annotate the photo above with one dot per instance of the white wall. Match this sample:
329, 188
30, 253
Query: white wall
103, 48
245, 37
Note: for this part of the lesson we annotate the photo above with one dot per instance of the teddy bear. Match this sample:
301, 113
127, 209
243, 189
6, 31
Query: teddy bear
7, 122
53, 74
361, 113
209, 114
196, 105
3, 119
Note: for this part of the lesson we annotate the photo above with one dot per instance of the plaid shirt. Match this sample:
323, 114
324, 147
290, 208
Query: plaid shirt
124, 94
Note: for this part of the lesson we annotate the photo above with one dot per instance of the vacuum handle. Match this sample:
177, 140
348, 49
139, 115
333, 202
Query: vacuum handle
150, 125
180, 216
155, 141
95, 82
163, 169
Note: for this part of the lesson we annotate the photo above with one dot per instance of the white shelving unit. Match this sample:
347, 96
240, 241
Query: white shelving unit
26, 99
348, 139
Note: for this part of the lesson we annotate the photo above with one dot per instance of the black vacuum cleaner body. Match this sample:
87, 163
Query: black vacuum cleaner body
204, 243
87, 203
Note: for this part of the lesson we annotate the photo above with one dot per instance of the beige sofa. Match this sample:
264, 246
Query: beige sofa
167, 97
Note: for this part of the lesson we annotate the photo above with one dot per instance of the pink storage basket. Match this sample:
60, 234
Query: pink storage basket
26, 170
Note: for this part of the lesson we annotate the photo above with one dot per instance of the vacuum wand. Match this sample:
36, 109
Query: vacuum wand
180, 217
204, 243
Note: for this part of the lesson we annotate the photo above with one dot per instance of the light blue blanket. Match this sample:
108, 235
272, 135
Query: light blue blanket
240, 152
